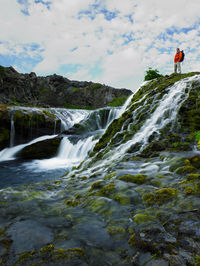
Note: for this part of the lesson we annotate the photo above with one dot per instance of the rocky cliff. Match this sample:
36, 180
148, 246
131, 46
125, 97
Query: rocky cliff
56, 91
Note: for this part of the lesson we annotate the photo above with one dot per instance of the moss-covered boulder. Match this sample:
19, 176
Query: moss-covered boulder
160, 196
4, 127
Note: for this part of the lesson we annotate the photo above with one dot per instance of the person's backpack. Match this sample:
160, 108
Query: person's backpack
183, 56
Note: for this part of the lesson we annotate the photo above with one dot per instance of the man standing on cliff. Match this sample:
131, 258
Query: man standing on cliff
177, 61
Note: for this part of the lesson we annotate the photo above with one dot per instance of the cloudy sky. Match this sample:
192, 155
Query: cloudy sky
108, 41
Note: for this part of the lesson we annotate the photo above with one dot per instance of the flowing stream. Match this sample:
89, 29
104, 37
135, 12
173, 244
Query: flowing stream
69, 154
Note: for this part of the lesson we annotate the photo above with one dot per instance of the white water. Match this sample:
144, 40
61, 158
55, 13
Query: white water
12, 131
165, 113
68, 117
68, 155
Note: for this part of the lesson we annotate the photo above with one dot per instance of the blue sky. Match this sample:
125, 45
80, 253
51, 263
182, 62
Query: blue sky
108, 41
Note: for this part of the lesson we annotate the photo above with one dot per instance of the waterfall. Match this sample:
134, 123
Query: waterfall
12, 130
68, 155
164, 114
68, 117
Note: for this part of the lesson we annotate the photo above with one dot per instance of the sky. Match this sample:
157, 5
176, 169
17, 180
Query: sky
113, 42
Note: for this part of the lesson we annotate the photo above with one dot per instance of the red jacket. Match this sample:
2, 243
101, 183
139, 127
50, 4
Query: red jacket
177, 57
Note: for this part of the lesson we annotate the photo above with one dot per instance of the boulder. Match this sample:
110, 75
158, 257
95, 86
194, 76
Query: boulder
40, 150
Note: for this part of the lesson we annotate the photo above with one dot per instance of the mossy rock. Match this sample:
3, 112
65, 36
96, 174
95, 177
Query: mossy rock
141, 218
2, 71
122, 199
186, 169
100, 205
192, 177
96, 185
160, 196
195, 161
136, 241
106, 190
138, 179
118, 101
40, 150
49, 254
116, 230
188, 190
72, 202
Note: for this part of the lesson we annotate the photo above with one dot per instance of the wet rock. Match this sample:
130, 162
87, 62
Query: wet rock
159, 262
29, 235
40, 150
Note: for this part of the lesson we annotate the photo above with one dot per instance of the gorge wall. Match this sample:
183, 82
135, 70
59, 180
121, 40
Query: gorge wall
56, 91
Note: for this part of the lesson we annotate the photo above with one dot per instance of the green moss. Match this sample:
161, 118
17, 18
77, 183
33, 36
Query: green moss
141, 218
2, 71
47, 249
48, 254
96, 185
61, 236
193, 177
137, 242
155, 183
72, 202
49, 114
160, 196
186, 169
43, 90
106, 190
75, 89
122, 199
100, 206
113, 128
197, 260
115, 230
58, 182
109, 176
138, 179
195, 161
118, 101
2, 230
26, 256
96, 86
189, 190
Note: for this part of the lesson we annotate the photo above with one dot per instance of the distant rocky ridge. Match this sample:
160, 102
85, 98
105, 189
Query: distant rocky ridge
56, 91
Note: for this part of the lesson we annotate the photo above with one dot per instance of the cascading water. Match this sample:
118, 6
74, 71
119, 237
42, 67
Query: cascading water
164, 114
12, 131
69, 154
68, 117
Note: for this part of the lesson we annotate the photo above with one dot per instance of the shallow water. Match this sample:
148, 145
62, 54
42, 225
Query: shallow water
16, 172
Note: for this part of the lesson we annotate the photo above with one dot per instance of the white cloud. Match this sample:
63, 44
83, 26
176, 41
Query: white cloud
68, 35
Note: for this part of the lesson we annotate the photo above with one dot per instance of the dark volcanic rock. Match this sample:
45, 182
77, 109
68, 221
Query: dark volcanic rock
40, 150
56, 91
